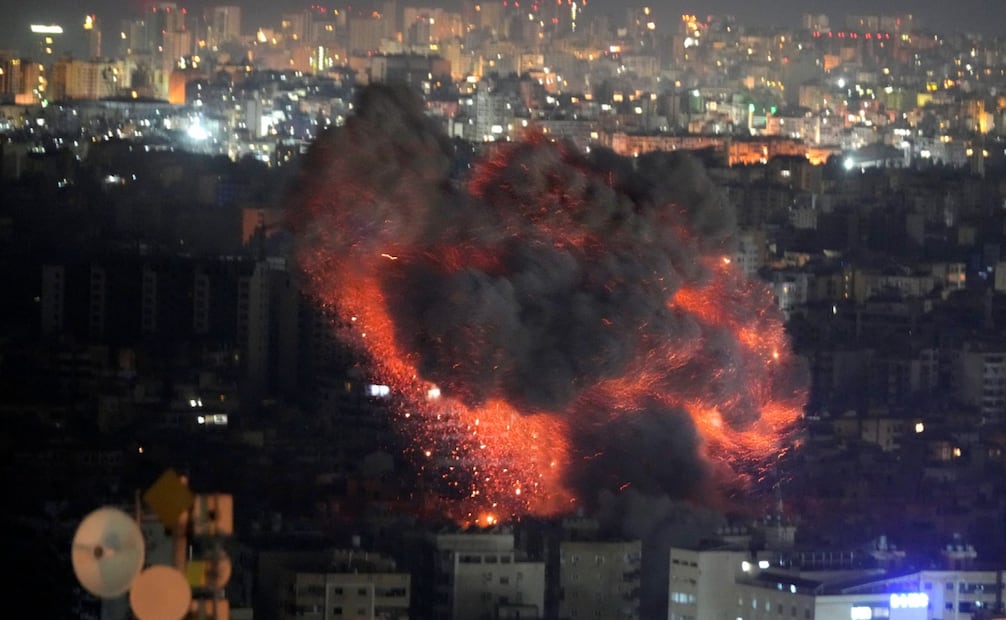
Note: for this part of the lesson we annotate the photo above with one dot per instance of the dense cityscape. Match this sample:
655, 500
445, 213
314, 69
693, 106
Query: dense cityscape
515, 310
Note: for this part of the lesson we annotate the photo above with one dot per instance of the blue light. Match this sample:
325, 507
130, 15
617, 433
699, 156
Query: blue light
910, 600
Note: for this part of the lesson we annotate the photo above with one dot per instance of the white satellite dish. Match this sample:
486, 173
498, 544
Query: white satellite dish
107, 552
160, 593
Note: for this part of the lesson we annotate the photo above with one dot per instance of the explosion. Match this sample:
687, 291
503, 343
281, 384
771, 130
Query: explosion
551, 325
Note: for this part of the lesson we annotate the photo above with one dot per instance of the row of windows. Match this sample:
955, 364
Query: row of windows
967, 588
600, 613
309, 610
468, 558
502, 600
779, 608
793, 613
319, 590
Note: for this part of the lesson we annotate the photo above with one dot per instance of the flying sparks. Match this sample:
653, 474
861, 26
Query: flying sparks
551, 325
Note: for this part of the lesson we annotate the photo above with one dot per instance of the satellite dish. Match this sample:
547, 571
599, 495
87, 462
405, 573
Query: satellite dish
107, 552
160, 593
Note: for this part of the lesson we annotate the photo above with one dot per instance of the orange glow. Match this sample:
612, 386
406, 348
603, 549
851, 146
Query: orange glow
708, 356
492, 449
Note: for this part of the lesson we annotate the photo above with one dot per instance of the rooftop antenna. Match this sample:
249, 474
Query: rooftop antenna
108, 554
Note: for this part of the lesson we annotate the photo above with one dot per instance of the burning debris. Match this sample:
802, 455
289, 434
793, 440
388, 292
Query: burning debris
552, 326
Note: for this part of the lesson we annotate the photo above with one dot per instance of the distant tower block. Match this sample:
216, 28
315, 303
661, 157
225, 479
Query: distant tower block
223, 25
93, 32
47, 35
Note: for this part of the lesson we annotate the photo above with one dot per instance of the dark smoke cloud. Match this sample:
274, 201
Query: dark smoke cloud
652, 452
535, 278
571, 253
374, 184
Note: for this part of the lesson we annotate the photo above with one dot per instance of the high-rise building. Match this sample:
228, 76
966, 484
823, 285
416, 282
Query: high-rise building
19, 79
365, 33
86, 79
295, 26
175, 45
167, 17
394, 21
493, 112
699, 581
978, 377
482, 14
599, 579
166, 35
481, 575
47, 36
223, 25
92, 31
33, 83
132, 38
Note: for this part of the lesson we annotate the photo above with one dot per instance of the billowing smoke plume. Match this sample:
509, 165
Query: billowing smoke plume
579, 315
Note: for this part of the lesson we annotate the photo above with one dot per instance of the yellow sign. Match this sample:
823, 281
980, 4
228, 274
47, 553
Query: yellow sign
169, 497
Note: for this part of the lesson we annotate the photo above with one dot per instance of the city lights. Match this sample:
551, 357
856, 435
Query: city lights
520, 293
46, 29
910, 600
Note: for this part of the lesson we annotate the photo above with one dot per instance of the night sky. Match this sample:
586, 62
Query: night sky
985, 16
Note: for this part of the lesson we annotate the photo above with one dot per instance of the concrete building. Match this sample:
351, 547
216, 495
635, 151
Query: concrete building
47, 38
902, 281
885, 432
867, 595
337, 595
790, 290
493, 113
92, 31
365, 33
86, 79
354, 584
978, 377
223, 25
700, 580
480, 576
751, 251
735, 584
839, 595
599, 579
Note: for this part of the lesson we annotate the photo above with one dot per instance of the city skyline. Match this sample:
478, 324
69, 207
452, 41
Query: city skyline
971, 16
628, 318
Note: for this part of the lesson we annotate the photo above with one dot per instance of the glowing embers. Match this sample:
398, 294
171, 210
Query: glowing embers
490, 460
550, 328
